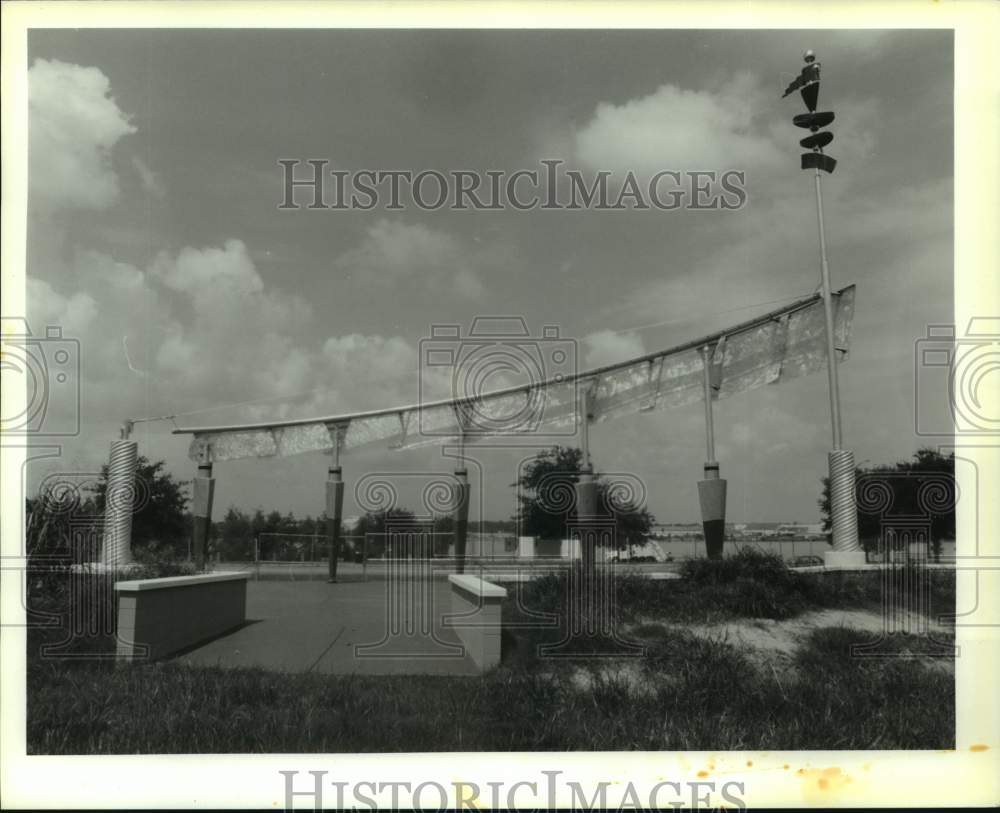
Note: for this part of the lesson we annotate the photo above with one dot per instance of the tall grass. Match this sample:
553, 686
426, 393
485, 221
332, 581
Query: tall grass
750, 584
696, 695
684, 692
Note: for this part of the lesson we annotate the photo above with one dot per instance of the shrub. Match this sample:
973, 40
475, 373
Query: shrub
156, 560
746, 563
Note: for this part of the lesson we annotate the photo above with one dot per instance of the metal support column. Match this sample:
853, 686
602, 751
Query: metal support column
334, 500
461, 494
712, 490
203, 492
586, 490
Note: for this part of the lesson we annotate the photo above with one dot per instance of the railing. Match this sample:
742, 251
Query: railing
305, 556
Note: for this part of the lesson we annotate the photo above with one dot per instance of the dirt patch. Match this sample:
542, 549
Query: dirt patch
629, 675
768, 641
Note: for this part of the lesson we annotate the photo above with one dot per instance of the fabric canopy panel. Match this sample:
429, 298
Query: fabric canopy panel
784, 344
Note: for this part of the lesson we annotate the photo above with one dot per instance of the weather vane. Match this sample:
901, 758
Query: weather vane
807, 83
846, 548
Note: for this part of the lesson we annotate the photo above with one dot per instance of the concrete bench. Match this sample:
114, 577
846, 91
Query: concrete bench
158, 617
475, 606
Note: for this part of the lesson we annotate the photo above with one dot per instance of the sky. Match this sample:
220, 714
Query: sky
155, 239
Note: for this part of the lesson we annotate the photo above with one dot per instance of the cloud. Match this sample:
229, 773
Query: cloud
73, 125
200, 272
150, 180
676, 128
74, 314
770, 253
393, 252
607, 347
202, 329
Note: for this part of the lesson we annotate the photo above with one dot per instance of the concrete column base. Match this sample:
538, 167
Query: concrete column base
844, 558
712, 497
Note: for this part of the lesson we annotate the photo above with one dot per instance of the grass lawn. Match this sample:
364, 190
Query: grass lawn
688, 692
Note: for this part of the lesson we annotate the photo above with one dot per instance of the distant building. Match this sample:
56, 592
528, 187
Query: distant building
790, 530
676, 530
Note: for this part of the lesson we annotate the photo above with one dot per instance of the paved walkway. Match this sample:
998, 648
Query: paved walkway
348, 627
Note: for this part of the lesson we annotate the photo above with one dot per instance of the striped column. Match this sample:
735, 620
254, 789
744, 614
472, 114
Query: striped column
119, 504
847, 550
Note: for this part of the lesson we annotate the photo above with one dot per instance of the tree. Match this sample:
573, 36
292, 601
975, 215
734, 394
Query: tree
161, 512
908, 482
234, 539
546, 496
62, 526
372, 527
444, 533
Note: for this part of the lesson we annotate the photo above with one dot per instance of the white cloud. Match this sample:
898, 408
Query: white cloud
47, 307
151, 182
73, 124
178, 357
607, 347
393, 251
675, 128
202, 329
199, 272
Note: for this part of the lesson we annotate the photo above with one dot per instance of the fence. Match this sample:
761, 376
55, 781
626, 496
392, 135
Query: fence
788, 549
305, 556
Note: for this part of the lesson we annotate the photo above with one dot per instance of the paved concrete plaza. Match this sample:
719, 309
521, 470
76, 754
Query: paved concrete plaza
381, 626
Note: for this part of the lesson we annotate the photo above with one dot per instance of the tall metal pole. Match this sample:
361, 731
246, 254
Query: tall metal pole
843, 505
831, 350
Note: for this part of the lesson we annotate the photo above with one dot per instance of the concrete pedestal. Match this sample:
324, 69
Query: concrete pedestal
158, 617
712, 497
476, 618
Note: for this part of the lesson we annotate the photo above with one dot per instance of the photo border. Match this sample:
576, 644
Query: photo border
903, 778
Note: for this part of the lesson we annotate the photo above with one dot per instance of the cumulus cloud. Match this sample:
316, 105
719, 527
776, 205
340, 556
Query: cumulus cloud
677, 128
199, 327
393, 251
607, 347
73, 124
150, 180
202, 271
202, 329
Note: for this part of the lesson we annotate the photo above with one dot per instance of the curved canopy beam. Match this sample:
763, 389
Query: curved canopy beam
780, 345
